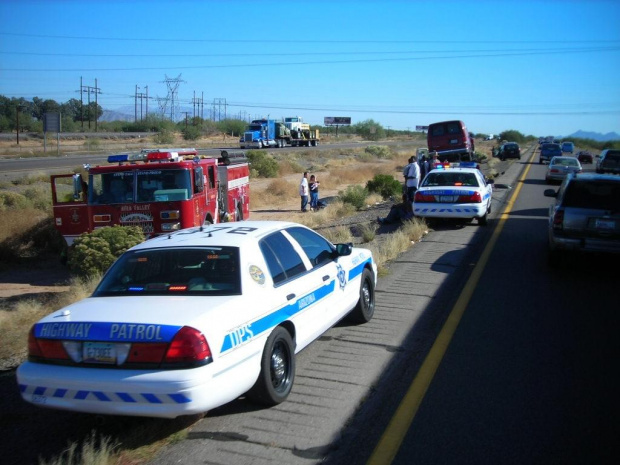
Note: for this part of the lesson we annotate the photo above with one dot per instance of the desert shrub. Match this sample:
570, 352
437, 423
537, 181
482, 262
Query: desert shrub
164, 136
92, 144
364, 157
191, 133
379, 151
385, 185
32, 178
263, 164
94, 252
13, 201
354, 195
39, 197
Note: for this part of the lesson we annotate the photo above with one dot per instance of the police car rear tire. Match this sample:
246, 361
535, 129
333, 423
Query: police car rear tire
365, 308
275, 380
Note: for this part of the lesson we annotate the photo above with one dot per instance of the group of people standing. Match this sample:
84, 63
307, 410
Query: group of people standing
309, 188
414, 172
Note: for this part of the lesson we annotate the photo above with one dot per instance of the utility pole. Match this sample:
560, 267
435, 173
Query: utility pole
141, 95
88, 90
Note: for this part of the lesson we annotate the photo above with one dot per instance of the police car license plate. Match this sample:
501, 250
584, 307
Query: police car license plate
99, 352
448, 198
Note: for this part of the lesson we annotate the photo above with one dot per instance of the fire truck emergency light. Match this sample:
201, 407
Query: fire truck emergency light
120, 158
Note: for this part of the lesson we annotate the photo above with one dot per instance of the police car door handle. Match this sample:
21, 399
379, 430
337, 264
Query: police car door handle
290, 297
326, 277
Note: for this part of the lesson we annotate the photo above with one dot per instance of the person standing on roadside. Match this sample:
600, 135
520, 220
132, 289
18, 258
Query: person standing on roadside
424, 168
303, 192
314, 193
411, 172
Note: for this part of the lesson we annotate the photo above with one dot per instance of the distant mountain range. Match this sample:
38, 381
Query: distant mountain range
597, 136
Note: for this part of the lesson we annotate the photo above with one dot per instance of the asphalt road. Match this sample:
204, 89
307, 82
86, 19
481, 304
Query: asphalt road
531, 372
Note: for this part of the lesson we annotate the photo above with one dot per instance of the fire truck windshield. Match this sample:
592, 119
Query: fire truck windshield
139, 186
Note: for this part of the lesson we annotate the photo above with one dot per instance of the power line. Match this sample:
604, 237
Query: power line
325, 62
308, 41
306, 53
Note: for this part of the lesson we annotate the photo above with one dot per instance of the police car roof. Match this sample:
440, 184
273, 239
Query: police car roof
224, 234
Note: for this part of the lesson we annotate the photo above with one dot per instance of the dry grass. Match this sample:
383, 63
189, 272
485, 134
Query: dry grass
277, 193
93, 451
398, 242
15, 322
15, 222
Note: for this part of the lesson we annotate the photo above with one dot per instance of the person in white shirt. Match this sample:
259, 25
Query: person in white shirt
411, 172
303, 192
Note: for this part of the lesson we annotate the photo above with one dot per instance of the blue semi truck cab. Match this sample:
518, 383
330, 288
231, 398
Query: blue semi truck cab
270, 133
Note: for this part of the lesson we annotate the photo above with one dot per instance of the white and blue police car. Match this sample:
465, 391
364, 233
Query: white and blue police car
459, 191
186, 322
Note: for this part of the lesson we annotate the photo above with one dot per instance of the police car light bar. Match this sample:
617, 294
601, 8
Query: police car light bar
120, 158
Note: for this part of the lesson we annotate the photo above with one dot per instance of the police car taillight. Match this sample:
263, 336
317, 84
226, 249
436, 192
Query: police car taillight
424, 198
189, 345
45, 348
475, 197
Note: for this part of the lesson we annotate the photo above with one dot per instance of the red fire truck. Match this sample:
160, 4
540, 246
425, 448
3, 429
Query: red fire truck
161, 191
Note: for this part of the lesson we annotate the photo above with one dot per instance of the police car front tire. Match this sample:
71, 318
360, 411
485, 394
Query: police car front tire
277, 374
365, 308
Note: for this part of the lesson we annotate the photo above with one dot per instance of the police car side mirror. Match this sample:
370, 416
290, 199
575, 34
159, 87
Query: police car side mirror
344, 249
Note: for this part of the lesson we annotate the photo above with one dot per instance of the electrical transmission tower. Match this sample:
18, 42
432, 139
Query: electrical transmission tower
173, 95
218, 103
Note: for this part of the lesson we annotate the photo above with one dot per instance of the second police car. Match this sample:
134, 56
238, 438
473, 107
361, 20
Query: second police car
457, 191
186, 322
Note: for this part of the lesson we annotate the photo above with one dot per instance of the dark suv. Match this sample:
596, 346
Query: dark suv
608, 162
585, 216
509, 150
548, 151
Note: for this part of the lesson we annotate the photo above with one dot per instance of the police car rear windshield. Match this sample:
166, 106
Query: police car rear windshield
444, 178
174, 271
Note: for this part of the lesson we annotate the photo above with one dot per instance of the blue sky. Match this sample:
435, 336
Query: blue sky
540, 67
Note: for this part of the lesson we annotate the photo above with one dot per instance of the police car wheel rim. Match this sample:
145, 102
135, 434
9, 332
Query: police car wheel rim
365, 294
280, 367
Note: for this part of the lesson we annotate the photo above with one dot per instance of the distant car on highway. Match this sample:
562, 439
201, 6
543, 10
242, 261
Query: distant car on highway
560, 167
585, 157
548, 151
608, 162
509, 150
454, 193
568, 147
189, 321
585, 216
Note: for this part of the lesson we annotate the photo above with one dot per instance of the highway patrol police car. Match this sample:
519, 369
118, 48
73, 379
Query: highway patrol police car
189, 321
457, 191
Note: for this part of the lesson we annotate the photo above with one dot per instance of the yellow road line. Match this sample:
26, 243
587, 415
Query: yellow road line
393, 436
